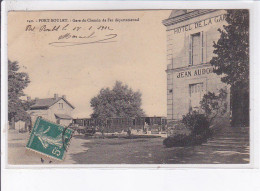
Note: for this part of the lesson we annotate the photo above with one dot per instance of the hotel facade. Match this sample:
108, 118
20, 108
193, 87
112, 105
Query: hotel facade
190, 37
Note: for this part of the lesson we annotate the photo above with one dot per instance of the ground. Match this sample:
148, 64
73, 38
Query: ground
228, 147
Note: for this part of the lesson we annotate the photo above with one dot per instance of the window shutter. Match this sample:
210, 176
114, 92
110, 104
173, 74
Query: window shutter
186, 48
202, 46
190, 50
205, 47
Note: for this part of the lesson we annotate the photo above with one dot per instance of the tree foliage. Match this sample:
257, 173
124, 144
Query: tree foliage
17, 82
232, 60
196, 122
232, 49
121, 101
214, 105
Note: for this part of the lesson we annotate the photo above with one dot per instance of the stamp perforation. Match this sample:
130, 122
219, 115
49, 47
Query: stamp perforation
30, 139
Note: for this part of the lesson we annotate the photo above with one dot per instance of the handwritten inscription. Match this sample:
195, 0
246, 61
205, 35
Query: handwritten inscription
87, 34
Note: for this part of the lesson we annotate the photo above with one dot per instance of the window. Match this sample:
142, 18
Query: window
61, 105
196, 48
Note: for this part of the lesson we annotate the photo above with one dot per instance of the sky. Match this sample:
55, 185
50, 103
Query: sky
136, 56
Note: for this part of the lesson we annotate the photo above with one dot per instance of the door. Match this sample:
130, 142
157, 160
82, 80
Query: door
196, 94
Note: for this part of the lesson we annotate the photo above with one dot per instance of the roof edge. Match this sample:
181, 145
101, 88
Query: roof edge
189, 15
38, 107
63, 116
47, 107
64, 100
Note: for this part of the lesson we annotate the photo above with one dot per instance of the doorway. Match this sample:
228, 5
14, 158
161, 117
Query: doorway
196, 93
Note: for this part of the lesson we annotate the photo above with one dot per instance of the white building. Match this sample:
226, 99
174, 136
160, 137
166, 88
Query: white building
190, 37
56, 109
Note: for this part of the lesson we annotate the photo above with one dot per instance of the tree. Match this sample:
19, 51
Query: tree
232, 61
214, 105
121, 101
232, 49
17, 82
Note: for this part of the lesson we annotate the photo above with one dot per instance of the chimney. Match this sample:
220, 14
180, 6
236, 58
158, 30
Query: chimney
29, 98
56, 96
64, 96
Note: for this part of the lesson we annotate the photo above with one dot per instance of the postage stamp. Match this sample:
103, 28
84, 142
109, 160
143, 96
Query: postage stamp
49, 139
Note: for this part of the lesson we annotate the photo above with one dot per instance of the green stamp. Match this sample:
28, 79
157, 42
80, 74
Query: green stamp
49, 139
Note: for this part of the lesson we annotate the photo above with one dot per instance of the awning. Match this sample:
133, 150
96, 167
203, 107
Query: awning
62, 116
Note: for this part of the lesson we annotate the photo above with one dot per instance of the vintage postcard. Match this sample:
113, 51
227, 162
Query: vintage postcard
157, 87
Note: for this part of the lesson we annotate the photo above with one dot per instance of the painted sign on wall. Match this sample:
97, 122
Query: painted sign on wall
200, 24
195, 72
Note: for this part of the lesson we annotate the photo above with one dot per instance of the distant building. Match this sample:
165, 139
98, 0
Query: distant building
20, 125
190, 37
56, 109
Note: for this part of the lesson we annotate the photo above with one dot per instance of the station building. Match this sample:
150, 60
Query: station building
190, 37
56, 109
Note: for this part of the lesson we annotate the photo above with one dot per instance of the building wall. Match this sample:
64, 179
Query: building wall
56, 109
182, 73
36, 113
20, 125
49, 114
65, 122
178, 37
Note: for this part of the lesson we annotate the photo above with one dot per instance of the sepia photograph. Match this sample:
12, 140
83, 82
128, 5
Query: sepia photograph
128, 87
